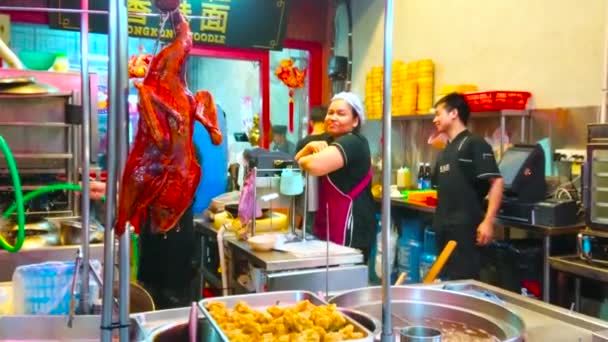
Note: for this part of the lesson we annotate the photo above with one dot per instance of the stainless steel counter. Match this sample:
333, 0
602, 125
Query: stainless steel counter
10, 261
401, 203
574, 265
544, 322
280, 261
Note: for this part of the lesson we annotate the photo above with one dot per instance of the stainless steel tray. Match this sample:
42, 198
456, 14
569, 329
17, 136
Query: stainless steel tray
261, 301
413, 305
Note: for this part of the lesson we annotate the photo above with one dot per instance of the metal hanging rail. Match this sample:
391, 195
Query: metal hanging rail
90, 11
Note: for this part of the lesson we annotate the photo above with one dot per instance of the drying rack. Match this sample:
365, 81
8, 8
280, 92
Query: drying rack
292, 236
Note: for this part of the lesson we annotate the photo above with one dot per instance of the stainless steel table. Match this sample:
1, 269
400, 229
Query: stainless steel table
280, 261
281, 270
546, 231
578, 267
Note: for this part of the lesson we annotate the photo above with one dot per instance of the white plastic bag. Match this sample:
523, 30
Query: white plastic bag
394, 236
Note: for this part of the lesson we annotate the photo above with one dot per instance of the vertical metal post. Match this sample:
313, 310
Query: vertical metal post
68, 162
387, 330
122, 120
522, 129
604, 105
546, 268
503, 132
577, 294
85, 148
113, 97
255, 200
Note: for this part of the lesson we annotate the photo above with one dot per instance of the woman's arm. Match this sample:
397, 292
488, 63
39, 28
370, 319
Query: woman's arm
321, 163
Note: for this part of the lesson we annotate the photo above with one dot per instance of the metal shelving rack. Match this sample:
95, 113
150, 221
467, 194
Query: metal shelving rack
42, 117
524, 115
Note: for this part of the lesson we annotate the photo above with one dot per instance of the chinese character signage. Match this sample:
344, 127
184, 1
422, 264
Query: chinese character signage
257, 24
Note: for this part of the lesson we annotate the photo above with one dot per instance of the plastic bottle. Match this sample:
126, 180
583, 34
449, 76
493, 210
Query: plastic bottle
4, 302
426, 262
62, 63
429, 253
427, 176
401, 178
403, 256
420, 176
414, 261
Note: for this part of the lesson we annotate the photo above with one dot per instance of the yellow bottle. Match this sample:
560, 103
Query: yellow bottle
62, 63
404, 178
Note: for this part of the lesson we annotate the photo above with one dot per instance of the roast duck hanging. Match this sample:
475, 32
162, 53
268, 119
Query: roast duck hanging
161, 173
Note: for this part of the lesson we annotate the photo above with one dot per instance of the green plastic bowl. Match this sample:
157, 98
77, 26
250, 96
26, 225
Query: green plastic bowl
35, 60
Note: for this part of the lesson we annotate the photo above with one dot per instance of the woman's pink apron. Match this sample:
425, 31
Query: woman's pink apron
340, 209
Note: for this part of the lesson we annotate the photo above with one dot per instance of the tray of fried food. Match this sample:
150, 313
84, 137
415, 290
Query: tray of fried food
286, 316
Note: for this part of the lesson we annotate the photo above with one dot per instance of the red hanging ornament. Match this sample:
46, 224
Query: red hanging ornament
293, 78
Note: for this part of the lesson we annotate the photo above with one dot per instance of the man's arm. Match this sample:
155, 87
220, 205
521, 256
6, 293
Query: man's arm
494, 198
485, 231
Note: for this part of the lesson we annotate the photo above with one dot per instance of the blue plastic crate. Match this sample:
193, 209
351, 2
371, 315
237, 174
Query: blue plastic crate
44, 289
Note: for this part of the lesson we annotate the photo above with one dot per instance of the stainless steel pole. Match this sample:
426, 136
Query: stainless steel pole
85, 101
604, 105
387, 330
108, 253
122, 85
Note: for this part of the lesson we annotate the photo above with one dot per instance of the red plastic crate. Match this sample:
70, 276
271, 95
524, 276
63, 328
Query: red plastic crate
488, 101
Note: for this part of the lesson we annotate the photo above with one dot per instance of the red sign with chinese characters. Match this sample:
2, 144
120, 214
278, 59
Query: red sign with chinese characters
257, 24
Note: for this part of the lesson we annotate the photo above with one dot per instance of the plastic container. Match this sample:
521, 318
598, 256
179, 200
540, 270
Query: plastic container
409, 248
430, 242
44, 289
404, 178
379, 248
62, 63
488, 101
5, 302
426, 262
37, 60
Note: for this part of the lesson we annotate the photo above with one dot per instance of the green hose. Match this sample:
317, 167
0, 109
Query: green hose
12, 167
20, 200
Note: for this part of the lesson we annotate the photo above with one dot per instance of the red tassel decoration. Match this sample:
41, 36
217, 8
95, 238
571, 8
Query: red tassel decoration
291, 104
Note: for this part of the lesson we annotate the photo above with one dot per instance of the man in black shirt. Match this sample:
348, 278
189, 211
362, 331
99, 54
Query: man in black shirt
317, 118
280, 142
465, 173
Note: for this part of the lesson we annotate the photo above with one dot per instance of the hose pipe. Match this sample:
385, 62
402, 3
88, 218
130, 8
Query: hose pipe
20, 199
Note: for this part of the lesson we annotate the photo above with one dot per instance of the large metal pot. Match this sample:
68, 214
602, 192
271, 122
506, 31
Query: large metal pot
460, 314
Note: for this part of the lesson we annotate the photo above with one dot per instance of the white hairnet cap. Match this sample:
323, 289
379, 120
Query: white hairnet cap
354, 101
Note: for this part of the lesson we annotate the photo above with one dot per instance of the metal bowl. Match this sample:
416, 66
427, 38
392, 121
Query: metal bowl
38, 234
448, 311
70, 232
369, 322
